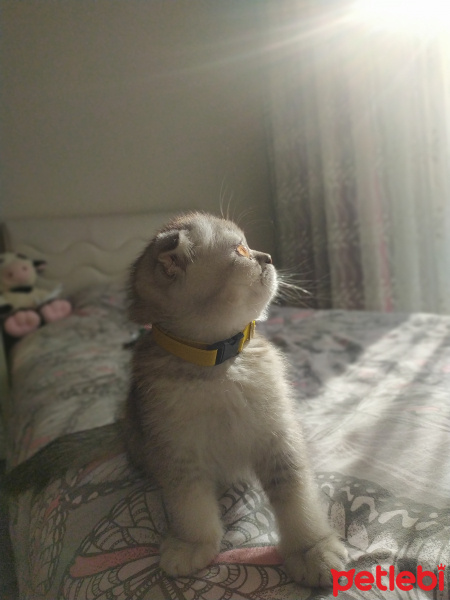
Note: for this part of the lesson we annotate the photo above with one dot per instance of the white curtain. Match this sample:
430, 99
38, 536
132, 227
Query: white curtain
360, 127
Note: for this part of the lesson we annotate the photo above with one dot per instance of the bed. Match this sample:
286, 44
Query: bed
373, 395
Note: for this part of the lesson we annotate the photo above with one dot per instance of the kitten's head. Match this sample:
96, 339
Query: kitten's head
198, 279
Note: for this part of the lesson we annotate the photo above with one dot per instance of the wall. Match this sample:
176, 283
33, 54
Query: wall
114, 105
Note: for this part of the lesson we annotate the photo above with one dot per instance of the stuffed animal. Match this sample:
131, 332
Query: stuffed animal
23, 305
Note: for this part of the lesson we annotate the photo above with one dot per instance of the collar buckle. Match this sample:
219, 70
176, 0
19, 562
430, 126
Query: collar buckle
227, 348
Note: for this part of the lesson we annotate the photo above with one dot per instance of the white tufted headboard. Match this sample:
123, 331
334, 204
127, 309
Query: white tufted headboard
82, 250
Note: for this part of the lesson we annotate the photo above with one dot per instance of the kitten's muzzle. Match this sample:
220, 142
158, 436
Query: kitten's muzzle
262, 258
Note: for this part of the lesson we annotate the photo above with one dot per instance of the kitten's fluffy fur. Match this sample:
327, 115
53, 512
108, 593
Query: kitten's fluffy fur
198, 429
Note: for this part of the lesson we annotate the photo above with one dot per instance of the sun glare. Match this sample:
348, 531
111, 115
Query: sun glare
420, 15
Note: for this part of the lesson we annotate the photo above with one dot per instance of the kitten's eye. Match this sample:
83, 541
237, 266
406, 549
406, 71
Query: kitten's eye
243, 251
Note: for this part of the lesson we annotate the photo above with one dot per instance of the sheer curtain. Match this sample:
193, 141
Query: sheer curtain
360, 154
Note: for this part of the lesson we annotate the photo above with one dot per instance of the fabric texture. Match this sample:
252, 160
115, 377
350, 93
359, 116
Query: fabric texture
73, 372
359, 125
372, 396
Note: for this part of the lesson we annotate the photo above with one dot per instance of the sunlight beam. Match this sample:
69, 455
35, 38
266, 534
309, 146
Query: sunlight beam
419, 15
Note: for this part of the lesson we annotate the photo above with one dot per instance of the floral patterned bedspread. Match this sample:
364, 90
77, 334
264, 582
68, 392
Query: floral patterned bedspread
373, 395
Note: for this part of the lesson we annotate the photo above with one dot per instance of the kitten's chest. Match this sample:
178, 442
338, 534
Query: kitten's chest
224, 403
220, 424
243, 396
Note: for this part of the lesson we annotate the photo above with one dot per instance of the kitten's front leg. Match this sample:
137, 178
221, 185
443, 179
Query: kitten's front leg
308, 544
195, 528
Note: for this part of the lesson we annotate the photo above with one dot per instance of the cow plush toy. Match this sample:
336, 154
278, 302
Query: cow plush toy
23, 305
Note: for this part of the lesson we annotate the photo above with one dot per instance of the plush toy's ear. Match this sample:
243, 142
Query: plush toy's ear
174, 251
39, 265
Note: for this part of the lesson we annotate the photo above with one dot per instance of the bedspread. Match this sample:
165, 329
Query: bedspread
373, 396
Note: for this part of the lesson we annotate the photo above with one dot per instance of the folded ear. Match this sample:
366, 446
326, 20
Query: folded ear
174, 251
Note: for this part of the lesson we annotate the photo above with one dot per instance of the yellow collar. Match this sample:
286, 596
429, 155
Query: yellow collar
204, 355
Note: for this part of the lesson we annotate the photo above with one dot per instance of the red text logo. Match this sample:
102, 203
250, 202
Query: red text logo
388, 580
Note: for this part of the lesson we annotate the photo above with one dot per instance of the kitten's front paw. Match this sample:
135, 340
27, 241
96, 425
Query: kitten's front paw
313, 567
56, 310
179, 558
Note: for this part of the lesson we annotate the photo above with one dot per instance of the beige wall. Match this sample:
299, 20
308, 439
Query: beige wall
134, 105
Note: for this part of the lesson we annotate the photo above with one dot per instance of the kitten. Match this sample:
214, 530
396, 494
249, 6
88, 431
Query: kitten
199, 428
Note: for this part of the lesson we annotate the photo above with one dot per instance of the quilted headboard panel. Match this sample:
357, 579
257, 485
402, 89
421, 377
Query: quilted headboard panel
81, 251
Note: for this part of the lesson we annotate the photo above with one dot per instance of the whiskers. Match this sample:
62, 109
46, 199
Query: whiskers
225, 204
291, 290
229, 208
295, 291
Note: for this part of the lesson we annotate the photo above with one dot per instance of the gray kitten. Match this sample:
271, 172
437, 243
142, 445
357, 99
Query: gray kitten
198, 428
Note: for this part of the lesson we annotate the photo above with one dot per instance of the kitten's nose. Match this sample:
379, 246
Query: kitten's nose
262, 257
